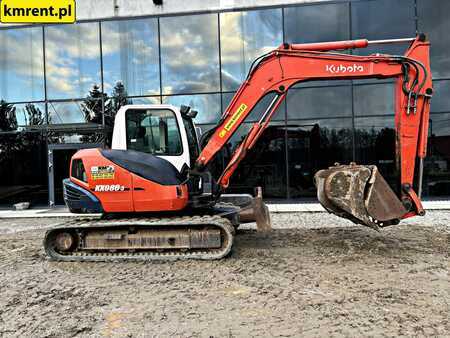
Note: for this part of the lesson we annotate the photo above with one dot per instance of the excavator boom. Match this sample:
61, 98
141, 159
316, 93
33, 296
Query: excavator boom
356, 192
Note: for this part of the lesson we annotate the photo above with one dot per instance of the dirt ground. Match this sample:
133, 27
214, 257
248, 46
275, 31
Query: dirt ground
314, 275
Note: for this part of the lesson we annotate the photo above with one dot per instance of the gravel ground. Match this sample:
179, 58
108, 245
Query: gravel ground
314, 275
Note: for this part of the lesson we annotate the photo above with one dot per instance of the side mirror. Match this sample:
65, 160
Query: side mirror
184, 110
192, 114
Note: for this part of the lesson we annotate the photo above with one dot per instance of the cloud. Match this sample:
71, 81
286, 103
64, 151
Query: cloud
189, 52
72, 55
190, 55
246, 35
21, 70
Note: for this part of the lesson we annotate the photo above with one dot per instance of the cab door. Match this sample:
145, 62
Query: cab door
156, 131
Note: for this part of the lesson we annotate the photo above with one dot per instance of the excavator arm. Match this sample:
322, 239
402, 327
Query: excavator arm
355, 192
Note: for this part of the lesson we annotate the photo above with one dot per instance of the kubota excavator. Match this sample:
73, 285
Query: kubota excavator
155, 188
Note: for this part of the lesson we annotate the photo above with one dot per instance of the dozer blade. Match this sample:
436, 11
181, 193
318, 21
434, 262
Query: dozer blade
360, 194
256, 211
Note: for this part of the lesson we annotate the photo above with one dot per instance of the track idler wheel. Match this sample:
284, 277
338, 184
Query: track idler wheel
360, 194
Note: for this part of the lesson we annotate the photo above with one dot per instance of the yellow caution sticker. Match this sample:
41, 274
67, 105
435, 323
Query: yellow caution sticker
37, 11
232, 121
102, 172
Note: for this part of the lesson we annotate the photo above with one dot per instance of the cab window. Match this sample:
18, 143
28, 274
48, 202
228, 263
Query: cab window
153, 131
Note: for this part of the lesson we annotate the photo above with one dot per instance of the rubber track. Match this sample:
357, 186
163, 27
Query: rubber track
200, 254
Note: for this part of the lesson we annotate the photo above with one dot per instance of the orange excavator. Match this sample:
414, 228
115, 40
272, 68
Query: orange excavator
155, 189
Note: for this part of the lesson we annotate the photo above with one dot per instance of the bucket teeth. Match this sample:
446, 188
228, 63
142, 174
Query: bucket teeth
360, 194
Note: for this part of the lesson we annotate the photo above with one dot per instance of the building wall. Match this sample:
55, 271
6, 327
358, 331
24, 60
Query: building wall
48, 73
106, 9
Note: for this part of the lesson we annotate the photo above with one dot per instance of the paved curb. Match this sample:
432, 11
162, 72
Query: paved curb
274, 208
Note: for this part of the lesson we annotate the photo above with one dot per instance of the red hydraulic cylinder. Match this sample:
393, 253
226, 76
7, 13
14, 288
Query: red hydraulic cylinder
326, 46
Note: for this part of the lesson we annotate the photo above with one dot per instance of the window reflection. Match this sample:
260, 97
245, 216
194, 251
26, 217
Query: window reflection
30, 115
130, 55
8, 117
265, 163
243, 37
319, 102
189, 54
373, 99
433, 20
440, 103
21, 65
375, 144
207, 105
383, 19
437, 163
72, 59
259, 109
330, 22
23, 168
144, 100
314, 145
75, 112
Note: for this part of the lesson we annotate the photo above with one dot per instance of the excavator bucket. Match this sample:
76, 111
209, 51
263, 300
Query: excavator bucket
360, 194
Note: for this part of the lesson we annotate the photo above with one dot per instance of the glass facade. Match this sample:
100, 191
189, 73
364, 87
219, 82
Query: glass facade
130, 52
61, 85
189, 54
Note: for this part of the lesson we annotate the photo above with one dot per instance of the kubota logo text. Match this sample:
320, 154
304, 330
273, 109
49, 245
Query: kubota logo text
335, 69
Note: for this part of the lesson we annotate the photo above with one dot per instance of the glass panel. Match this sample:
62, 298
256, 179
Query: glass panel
72, 59
75, 111
320, 102
81, 136
333, 19
433, 20
153, 131
314, 145
260, 108
437, 164
8, 117
131, 56
23, 168
21, 65
264, 165
383, 19
31, 114
207, 105
190, 54
61, 168
243, 37
440, 102
375, 144
21, 116
374, 99
205, 127
322, 83
144, 100
334, 26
